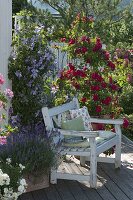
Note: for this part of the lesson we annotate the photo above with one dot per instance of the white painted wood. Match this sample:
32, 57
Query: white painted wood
93, 163
86, 134
106, 145
63, 108
5, 36
103, 159
82, 160
47, 119
118, 147
106, 121
53, 176
77, 177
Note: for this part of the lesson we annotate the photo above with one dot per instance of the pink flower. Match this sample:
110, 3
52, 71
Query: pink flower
3, 140
1, 79
9, 93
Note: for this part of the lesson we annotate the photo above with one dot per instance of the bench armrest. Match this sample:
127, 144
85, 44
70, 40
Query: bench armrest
107, 121
88, 134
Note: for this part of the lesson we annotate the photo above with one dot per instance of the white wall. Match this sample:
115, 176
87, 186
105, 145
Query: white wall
5, 35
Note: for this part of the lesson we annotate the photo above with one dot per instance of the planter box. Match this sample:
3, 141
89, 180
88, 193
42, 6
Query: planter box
37, 182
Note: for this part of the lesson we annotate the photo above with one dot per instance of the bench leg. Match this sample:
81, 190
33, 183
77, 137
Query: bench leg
118, 148
53, 177
93, 163
82, 160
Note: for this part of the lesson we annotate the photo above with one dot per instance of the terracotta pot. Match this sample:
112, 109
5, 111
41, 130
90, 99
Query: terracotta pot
99, 126
37, 181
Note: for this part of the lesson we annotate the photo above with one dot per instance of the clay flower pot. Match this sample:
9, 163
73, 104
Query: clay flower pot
37, 181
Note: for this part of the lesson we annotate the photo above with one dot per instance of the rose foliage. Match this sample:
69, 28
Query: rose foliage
89, 74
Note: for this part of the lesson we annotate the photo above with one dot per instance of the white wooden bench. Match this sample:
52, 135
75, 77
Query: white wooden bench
90, 153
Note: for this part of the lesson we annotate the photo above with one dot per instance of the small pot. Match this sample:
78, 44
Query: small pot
37, 181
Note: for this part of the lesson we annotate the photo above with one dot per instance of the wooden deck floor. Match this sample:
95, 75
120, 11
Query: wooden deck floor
112, 184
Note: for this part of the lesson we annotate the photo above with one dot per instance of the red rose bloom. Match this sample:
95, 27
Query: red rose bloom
98, 108
125, 123
104, 85
106, 55
63, 39
88, 60
72, 41
95, 97
76, 85
111, 65
114, 87
78, 51
83, 99
84, 38
97, 87
84, 49
71, 66
107, 100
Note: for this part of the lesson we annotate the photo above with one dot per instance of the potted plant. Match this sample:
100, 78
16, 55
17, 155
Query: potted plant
37, 152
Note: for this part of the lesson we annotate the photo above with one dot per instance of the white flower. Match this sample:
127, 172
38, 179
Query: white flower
4, 179
21, 188
21, 166
23, 182
8, 160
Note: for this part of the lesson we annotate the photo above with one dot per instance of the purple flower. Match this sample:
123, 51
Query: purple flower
18, 74
34, 73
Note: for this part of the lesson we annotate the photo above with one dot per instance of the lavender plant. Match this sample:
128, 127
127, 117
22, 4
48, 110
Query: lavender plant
30, 64
37, 152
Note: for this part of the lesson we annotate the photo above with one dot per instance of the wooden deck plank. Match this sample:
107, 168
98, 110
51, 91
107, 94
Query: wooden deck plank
27, 196
111, 186
39, 195
76, 190
124, 183
52, 193
63, 191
